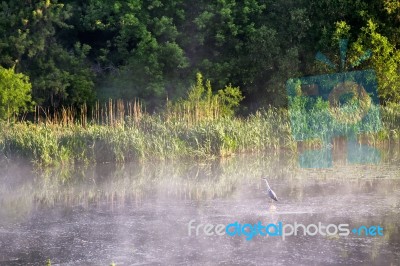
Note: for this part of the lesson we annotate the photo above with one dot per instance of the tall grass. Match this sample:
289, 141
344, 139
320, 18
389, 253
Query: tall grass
149, 137
120, 131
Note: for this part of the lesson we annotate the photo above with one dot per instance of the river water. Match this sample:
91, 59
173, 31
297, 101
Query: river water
139, 213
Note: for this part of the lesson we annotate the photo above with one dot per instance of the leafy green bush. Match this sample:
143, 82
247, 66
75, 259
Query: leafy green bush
15, 93
202, 104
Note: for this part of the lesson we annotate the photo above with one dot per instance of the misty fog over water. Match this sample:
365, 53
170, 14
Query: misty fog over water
138, 213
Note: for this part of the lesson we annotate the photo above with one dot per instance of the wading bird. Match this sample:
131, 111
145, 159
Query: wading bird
270, 192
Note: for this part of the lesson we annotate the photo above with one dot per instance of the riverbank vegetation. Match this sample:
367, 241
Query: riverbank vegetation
64, 64
142, 136
77, 52
200, 125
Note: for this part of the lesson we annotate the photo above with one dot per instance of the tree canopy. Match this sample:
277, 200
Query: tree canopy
77, 51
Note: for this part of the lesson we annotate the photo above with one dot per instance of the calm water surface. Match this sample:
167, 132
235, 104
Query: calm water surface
138, 214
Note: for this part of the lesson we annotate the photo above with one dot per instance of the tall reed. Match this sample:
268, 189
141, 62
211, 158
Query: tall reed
120, 131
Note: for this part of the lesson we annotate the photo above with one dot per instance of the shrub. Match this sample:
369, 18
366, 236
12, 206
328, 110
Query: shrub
15, 93
202, 104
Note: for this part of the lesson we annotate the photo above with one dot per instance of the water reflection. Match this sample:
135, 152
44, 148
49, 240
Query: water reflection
138, 213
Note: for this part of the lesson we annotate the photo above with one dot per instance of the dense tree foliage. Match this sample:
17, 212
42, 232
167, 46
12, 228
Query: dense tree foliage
74, 51
32, 39
15, 93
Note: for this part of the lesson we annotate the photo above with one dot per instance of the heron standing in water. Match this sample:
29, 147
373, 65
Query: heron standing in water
270, 192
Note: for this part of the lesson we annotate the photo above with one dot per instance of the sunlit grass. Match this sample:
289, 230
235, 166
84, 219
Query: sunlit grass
155, 137
152, 137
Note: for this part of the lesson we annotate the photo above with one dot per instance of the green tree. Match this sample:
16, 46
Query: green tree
256, 45
137, 53
385, 60
31, 40
15, 93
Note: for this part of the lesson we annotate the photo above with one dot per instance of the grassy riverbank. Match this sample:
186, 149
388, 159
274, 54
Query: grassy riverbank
153, 136
150, 137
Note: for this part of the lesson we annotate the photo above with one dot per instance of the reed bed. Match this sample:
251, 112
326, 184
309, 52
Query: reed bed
119, 131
